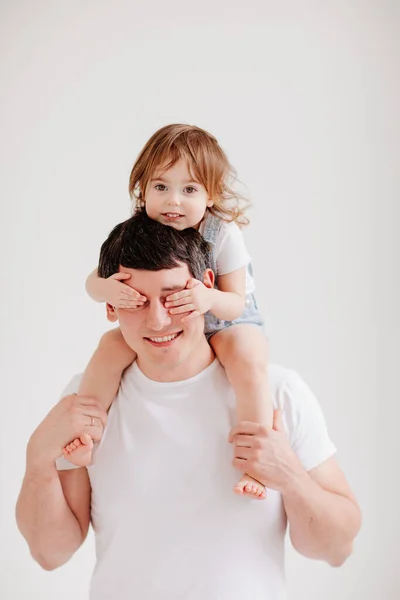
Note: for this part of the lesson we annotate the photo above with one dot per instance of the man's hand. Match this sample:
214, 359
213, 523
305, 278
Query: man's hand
195, 299
73, 416
265, 453
119, 294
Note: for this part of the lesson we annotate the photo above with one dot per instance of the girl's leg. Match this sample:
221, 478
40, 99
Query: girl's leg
243, 352
101, 380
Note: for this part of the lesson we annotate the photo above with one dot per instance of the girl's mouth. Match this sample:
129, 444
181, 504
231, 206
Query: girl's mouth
172, 216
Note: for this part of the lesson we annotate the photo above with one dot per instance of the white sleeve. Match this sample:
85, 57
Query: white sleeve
61, 463
231, 252
304, 422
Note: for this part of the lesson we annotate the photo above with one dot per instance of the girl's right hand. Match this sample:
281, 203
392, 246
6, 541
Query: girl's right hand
120, 295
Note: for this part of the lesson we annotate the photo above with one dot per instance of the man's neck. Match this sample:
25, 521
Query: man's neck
194, 364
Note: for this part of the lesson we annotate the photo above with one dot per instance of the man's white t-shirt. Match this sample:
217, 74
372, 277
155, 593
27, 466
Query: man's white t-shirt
167, 524
231, 252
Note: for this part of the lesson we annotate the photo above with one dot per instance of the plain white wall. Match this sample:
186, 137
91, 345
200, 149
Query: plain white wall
304, 99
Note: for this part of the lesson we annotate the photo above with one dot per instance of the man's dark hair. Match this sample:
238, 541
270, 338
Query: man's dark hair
141, 243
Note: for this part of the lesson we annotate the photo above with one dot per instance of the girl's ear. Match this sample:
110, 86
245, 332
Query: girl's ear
210, 203
111, 314
209, 278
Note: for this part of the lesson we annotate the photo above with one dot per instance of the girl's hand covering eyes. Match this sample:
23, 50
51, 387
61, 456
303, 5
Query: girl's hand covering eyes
195, 299
119, 294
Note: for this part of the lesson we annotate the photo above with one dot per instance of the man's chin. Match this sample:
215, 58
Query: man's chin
164, 361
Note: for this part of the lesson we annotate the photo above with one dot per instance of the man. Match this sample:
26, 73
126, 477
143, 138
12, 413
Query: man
158, 493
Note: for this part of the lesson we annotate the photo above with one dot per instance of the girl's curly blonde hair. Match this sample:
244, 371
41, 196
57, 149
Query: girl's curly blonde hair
207, 164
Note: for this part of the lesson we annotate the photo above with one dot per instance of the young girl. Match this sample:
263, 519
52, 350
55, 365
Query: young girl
181, 179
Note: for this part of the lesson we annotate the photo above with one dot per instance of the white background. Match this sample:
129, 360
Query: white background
304, 99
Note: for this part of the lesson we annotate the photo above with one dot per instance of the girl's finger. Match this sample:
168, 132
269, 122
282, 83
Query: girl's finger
128, 291
180, 302
135, 296
127, 303
192, 283
131, 293
130, 305
192, 315
182, 309
178, 296
120, 276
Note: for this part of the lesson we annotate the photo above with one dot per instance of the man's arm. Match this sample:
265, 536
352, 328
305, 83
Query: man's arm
53, 508
53, 512
323, 515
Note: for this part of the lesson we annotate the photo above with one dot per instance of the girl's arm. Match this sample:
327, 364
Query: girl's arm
228, 301
197, 298
95, 287
103, 374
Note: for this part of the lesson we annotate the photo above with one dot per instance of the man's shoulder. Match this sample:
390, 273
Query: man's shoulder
302, 416
282, 380
283, 376
289, 391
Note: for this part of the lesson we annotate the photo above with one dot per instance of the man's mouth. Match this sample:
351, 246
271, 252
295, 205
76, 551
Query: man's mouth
165, 340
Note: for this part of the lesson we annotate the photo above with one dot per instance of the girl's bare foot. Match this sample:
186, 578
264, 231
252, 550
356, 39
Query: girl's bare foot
250, 487
79, 451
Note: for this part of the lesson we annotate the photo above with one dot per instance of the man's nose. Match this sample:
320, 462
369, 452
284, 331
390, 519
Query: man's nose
158, 317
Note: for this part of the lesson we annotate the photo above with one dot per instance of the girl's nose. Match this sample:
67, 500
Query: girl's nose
174, 199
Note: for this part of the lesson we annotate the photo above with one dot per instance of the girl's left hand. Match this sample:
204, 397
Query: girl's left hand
196, 298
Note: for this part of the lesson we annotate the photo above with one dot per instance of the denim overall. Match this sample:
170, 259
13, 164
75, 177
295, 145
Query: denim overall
250, 313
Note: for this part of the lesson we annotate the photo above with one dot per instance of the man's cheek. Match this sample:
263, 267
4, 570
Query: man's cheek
128, 327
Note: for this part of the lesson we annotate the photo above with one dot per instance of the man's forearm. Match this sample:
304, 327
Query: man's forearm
45, 519
322, 524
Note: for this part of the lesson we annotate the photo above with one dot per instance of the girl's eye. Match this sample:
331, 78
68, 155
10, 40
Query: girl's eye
191, 189
160, 185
